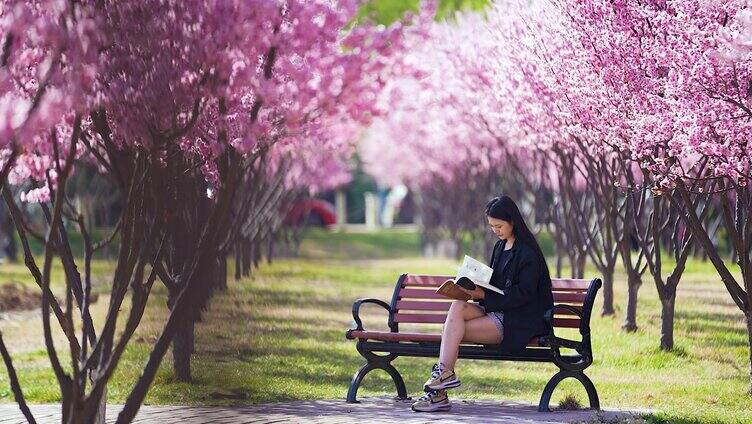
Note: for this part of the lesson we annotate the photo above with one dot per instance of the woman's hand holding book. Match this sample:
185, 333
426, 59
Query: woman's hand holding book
476, 294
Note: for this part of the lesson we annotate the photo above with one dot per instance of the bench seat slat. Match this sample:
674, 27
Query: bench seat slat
406, 337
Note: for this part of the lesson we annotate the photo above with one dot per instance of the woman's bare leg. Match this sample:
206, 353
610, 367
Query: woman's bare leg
454, 330
482, 330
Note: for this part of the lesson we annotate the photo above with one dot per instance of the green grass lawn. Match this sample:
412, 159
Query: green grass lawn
280, 336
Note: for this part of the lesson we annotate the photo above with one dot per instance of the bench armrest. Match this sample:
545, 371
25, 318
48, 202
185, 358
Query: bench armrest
356, 309
557, 342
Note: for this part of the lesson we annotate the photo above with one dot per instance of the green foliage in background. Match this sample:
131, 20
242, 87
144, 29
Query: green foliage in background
388, 11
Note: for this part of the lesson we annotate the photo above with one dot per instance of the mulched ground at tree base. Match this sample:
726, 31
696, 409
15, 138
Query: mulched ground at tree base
14, 296
18, 297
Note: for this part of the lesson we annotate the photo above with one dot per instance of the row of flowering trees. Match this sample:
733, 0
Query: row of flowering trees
627, 125
202, 114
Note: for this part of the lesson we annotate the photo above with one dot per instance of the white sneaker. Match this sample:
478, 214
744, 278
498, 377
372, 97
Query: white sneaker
441, 378
432, 401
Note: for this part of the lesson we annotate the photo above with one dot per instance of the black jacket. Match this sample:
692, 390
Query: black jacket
527, 295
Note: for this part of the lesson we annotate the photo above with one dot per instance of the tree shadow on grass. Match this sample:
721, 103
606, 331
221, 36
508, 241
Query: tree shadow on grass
711, 328
713, 317
308, 297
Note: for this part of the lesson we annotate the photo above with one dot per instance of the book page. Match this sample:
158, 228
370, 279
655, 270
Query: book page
475, 270
478, 272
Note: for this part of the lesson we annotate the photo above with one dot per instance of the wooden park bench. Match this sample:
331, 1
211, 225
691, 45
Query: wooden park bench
415, 302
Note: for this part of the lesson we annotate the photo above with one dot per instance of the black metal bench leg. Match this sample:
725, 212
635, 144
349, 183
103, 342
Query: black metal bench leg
590, 389
561, 375
352, 392
376, 362
398, 381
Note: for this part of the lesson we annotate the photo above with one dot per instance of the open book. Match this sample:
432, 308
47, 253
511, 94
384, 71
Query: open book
472, 273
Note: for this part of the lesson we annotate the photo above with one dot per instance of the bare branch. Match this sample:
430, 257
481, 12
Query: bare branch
14, 384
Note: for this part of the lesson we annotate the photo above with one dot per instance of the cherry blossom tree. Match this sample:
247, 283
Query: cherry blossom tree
174, 111
662, 83
47, 69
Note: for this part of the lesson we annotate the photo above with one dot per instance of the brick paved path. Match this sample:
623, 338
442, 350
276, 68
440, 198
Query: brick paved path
371, 410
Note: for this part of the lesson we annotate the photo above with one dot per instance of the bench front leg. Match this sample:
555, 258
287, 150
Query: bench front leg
376, 362
561, 375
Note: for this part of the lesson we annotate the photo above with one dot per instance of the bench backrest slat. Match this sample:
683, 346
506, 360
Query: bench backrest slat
417, 305
442, 306
425, 280
415, 300
424, 293
557, 284
410, 293
569, 284
569, 297
570, 322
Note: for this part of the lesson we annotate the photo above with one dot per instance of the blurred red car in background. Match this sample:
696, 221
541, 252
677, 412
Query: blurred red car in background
312, 212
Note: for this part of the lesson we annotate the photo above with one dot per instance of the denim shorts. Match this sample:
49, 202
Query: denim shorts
498, 320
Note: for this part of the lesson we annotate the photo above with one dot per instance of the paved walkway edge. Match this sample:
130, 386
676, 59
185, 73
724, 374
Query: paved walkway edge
370, 410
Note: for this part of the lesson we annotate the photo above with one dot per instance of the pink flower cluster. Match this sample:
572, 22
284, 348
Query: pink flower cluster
48, 74
439, 121
664, 83
202, 76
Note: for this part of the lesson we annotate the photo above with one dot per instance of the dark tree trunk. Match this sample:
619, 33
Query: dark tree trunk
256, 254
182, 347
247, 257
572, 264
101, 413
238, 261
630, 321
457, 240
608, 292
581, 259
182, 342
560, 251
221, 272
667, 319
11, 251
69, 412
270, 253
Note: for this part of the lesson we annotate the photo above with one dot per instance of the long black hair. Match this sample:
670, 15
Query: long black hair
504, 208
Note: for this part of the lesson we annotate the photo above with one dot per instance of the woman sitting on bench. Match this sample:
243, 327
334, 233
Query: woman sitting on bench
510, 319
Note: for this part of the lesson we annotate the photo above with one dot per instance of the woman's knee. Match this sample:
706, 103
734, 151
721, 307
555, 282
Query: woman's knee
457, 308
